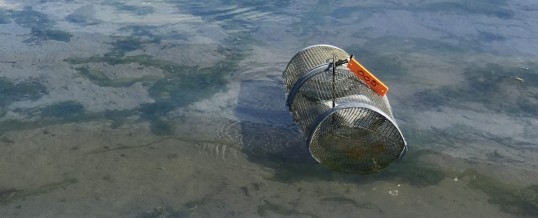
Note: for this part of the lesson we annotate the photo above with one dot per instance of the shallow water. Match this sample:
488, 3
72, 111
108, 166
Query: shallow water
171, 108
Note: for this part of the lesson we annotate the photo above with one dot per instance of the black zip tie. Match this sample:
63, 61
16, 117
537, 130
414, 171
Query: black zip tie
335, 63
334, 80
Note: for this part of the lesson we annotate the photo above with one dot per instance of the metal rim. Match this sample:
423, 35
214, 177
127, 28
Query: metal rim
328, 113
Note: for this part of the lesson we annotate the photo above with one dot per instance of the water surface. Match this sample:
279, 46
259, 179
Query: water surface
171, 108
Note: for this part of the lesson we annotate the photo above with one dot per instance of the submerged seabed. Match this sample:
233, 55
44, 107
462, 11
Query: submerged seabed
176, 108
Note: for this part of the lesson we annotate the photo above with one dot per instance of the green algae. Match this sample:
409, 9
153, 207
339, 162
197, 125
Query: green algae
417, 174
147, 33
25, 90
133, 9
49, 34
164, 212
4, 17
344, 200
269, 209
30, 18
495, 8
521, 201
116, 57
128, 44
181, 85
84, 15
497, 87
67, 110
6, 140
9, 195
42, 27
101, 79
314, 19
60, 113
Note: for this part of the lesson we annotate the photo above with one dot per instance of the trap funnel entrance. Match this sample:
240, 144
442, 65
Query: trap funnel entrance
347, 119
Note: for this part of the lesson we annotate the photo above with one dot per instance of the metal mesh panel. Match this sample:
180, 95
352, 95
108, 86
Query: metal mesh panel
349, 127
309, 58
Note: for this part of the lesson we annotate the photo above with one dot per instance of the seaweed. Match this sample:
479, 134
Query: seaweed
344, 200
83, 15
268, 208
164, 212
25, 90
154, 113
62, 112
4, 17
13, 125
99, 78
212, 9
417, 174
485, 7
128, 44
181, 86
116, 116
133, 9
489, 37
514, 200
10, 195
30, 18
161, 127
497, 87
6, 140
143, 32
67, 110
293, 172
41, 26
49, 34
314, 19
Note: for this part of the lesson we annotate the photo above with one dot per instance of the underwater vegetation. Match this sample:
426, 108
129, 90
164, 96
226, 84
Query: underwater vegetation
498, 87
67, 110
133, 9
30, 18
485, 7
50, 34
214, 9
313, 21
83, 15
415, 173
62, 112
515, 200
25, 90
164, 212
4, 17
495, 8
9, 195
269, 209
181, 85
99, 78
521, 201
40, 25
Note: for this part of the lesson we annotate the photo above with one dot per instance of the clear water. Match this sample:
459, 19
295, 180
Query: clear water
167, 108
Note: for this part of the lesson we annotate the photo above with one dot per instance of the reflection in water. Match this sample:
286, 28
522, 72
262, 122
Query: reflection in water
167, 108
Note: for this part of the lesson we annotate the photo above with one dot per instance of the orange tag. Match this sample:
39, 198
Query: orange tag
373, 82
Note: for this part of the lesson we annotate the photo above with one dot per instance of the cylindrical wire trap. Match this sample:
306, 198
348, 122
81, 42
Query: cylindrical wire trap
348, 124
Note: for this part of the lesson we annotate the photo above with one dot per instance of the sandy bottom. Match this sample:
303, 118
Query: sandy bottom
91, 170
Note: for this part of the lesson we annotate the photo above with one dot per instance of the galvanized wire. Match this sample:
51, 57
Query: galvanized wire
349, 127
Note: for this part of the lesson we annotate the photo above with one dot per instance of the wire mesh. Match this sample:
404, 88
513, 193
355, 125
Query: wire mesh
349, 127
